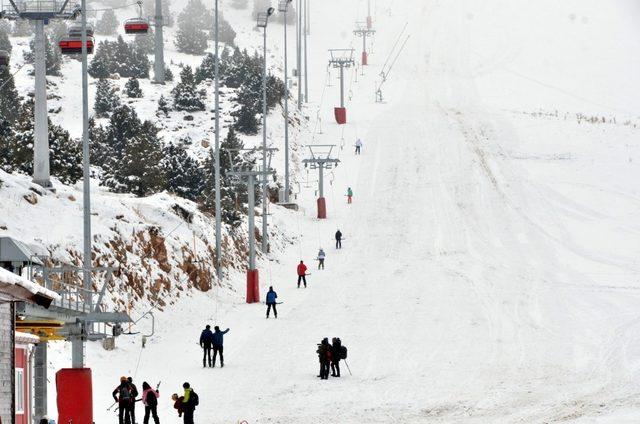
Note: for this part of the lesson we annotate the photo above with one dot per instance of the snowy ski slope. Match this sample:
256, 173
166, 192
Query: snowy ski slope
489, 272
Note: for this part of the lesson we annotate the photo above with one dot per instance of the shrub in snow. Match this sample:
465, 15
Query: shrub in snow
119, 57
183, 176
168, 74
163, 106
132, 88
186, 95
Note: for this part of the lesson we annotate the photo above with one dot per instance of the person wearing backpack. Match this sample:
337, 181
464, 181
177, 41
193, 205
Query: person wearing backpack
134, 395
206, 342
122, 395
150, 401
321, 257
336, 355
218, 340
324, 355
338, 239
189, 402
271, 302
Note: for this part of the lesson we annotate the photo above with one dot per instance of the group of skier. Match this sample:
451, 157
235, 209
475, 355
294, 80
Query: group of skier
330, 356
125, 397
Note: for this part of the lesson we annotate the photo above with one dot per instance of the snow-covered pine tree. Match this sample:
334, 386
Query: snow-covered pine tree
5, 43
106, 98
168, 74
137, 169
22, 28
101, 64
8, 96
183, 176
132, 88
129, 61
234, 66
186, 95
65, 152
163, 106
53, 56
227, 34
193, 24
108, 23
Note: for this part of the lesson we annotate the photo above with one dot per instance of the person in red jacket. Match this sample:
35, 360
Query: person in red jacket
302, 272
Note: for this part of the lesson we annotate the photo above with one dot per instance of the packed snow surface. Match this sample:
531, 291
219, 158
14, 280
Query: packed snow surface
489, 272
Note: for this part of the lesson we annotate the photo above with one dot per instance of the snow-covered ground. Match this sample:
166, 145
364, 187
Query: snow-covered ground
489, 272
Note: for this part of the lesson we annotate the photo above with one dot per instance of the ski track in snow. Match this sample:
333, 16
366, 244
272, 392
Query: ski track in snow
474, 285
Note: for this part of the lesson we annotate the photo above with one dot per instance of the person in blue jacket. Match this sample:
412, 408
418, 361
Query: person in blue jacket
271, 302
206, 342
218, 340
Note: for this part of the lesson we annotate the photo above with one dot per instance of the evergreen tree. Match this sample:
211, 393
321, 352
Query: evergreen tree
183, 176
108, 23
101, 64
146, 42
57, 29
132, 88
22, 28
206, 70
186, 95
8, 96
5, 43
193, 23
106, 98
226, 33
125, 59
53, 56
163, 106
65, 153
168, 74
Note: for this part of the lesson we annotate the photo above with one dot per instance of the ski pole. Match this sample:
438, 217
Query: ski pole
347, 364
112, 405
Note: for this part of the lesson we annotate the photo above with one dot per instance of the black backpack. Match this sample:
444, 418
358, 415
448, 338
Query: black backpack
194, 399
125, 393
343, 352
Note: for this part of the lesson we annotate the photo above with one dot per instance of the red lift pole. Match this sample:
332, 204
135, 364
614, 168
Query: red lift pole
364, 33
341, 59
320, 159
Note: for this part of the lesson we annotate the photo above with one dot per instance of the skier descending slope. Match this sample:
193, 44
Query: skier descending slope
271, 302
206, 342
321, 256
358, 146
302, 272
338, 239
218, 340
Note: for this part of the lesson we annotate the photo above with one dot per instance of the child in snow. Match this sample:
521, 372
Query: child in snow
177, 403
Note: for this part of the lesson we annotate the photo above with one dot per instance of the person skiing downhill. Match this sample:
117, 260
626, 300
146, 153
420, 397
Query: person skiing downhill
122, 395
150, 401
338, 240
358, 146
321, 256
218, 341
349, 195
206, 342
302, 272
271, 302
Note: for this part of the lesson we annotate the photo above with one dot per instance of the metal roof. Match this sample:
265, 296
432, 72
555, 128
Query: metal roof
12, 250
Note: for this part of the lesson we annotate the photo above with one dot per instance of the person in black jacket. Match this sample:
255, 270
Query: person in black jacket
150, 400
134, 395
206, 343
324, 355
336, 352
218, 340
122, 395
338, 240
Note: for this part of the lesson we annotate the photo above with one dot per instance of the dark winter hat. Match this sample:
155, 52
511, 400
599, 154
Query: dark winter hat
186, 385
270, 287
208, 327
130, 380
216, 328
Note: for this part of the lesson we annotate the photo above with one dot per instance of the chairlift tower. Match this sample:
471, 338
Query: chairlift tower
283, 7
158, 65
362, 31
341, 59
320, 159
40, 12
250, 173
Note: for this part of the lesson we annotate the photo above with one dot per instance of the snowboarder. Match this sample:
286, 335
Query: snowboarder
302, 272
349, 195
336, 355
189, 402
338, 240
122, 395
150, 401
134, 395
358, 146
218, 340
271, 302
324, 355
206, 341
321, 256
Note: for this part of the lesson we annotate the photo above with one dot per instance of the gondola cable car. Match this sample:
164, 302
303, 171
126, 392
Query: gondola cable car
72, 44
137, 25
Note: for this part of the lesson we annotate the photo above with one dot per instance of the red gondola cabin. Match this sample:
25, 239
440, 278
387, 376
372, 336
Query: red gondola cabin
136, 26
73, 45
